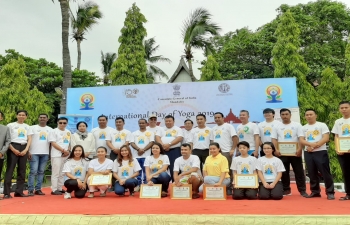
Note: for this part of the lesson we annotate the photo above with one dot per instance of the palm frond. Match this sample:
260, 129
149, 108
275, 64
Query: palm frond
154, 70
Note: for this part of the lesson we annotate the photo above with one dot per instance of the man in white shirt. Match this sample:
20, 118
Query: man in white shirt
170, 137
225, 135
266, 127
187, 170
38, 154
21, 138
118, 137
187, 131
5, 140
152, 124
341, 129
316, 135
249, 132
289, 131
200, 139
101, 133
60, 149
141, 141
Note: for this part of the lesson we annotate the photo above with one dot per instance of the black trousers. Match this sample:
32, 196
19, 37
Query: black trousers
1, 165
202, 155
244, 193
113, 157
319, 162
72, 185
276, 193
344, 161
12, 161
173, 154
298, 169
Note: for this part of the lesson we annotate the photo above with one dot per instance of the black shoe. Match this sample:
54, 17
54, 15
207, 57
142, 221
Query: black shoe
39, 192
20, 195
314, 195
30, 193
345, 198
62, 191
330, 197
304, 194
7, 196
229, 191
57, 192
287, 192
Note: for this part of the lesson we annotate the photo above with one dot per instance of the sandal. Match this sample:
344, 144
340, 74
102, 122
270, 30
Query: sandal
103, 194
91, 195
346, 197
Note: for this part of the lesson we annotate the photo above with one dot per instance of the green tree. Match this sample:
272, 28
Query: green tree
86, 16
153, 70
16, 94
130, 66
210, 70
195, 31
107, 61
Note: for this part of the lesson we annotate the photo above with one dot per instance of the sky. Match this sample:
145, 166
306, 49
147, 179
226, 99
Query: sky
33, 27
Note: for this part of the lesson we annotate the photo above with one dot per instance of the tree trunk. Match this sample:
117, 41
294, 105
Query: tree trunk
67, 72
79, 54
193, 78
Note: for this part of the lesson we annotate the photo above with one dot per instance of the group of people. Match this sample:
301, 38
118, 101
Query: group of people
161, 155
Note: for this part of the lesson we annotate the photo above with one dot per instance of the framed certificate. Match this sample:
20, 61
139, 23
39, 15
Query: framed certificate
99, 179
183, 192
246, 181
288, 148
214, 193
153, 191
343, 144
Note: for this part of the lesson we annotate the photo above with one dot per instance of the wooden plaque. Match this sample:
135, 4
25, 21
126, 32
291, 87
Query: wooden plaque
182, 192
153, 191
288, 148
210, 192
246, 181
343, 144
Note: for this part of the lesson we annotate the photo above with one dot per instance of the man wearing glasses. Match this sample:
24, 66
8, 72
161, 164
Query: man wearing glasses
152, 124
60, 142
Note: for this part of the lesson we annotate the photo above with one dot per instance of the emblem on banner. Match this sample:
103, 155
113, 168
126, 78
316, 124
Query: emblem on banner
176, 88
131, 93
224, 88
274, 93
87, 101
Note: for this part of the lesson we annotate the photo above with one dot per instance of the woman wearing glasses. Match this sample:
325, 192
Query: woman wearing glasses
270, 170
85, 139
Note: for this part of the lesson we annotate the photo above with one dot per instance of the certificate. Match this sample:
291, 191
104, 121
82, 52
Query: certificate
153, 191
246, 181
214, 193
343, 144
99, 179
182, 192
288, 148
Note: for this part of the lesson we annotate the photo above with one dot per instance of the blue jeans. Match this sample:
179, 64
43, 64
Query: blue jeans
163, 179
142, 174
37, 168
130, 184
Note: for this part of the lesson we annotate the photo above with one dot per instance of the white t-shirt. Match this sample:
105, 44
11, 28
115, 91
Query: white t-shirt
342, 127
40, 143
223, 135
98, 167
127, 169
141, 140
156, 164
88, 143
244, 165
76, 168
270, 167
19, 132
182, 165
118, 138
200, 138
100, 137
187, 136
246, 133
313, 133
153, 129
288, 132
62, 138
265, 130
168, 135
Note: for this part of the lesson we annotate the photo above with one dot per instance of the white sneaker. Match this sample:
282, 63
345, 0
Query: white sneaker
67, 195
137, 189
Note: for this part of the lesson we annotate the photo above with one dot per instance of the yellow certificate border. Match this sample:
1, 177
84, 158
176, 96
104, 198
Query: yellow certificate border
338, 144
205, 192
92, 178
183, 185
247, 175
297, 143
154, 185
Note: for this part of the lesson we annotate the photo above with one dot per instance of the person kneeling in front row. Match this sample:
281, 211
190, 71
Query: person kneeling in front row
270, 170
156, 166
189, 167
125, 170
244, 164
75, 168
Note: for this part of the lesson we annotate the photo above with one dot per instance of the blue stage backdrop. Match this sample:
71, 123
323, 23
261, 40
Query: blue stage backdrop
185, 100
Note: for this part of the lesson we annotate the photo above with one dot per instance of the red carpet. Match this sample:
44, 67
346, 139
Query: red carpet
112, 204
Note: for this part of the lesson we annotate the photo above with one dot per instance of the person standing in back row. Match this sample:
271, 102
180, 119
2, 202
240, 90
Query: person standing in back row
266, 127
249, 132
5, 140
101, 133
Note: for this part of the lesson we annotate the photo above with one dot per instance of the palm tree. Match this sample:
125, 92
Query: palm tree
196, 29
107, 60
152, 70
86, 16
